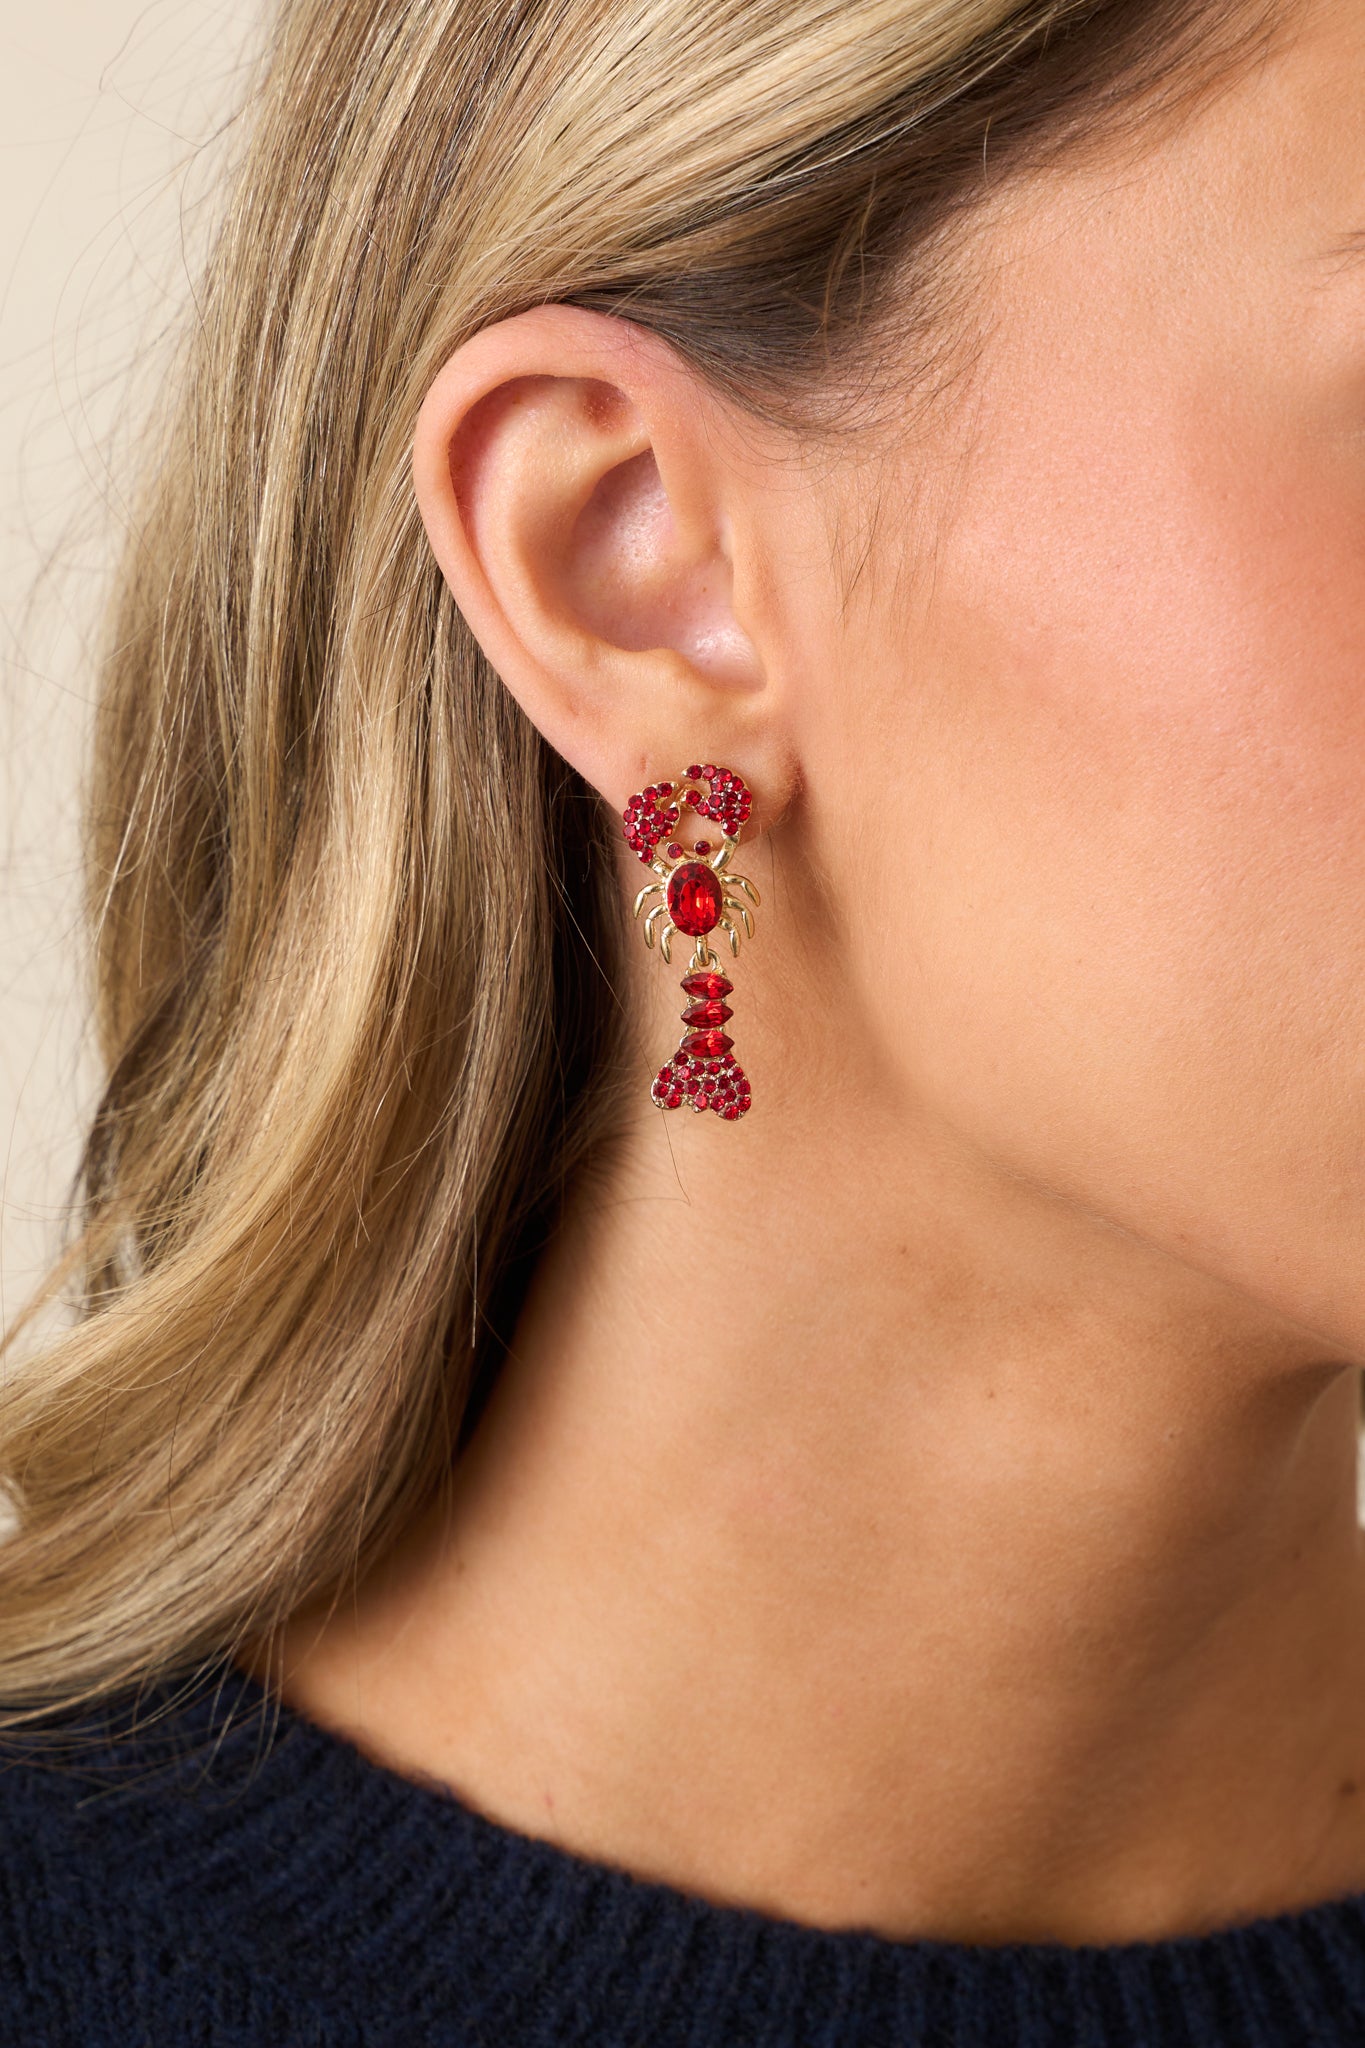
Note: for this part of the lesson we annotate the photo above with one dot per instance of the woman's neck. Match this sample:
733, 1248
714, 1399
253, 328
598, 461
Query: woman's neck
897, 1548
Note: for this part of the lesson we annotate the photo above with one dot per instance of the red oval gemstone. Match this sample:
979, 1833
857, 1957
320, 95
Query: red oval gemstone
707, 1013
710, 985
710, 1044
694, 899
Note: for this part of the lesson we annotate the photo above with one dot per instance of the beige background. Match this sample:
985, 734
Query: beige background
108, 110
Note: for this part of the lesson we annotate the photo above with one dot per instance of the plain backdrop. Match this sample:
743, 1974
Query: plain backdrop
111, 128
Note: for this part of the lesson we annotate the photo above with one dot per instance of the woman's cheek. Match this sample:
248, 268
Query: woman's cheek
1132, 926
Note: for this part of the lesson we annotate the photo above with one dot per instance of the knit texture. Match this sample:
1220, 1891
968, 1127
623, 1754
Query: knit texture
231, 1873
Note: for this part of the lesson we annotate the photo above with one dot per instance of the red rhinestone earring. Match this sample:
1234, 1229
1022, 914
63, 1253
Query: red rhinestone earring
693, 890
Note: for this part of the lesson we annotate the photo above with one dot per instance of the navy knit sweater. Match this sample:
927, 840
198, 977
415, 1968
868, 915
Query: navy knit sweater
230, 1875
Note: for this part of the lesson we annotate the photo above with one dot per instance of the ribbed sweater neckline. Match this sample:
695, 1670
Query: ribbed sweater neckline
370, 1892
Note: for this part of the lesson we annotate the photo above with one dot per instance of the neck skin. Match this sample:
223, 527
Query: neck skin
936, 1559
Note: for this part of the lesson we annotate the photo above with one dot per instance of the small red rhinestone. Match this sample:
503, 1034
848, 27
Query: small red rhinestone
707, 1013
710, 1044
707, 984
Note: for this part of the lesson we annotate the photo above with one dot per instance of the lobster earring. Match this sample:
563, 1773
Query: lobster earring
694, 890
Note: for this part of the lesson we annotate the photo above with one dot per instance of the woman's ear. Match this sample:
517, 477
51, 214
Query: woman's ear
592, 509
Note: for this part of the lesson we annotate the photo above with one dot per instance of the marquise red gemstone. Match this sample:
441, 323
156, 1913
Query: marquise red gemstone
710, 1044
707, 1013
710, 985
694, 899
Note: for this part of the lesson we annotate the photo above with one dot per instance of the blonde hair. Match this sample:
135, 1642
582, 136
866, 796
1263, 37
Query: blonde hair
355, 928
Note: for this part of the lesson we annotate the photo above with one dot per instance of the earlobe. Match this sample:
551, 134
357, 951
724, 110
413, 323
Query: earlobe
580, 508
